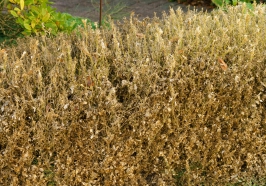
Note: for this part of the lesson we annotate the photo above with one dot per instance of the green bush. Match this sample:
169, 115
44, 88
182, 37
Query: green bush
223, 3
38, 17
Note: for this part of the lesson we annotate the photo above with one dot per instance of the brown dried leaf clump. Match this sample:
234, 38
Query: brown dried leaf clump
143, 103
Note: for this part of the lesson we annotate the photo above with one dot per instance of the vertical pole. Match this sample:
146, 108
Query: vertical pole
100, 19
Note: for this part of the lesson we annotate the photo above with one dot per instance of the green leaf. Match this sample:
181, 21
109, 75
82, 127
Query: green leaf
43, 11
227, 2
221, 3
46, 17
35, 10
26, 32
250, 6
9, 7
27, 26
20, 21
13, 13
234, 2
17, 9
30, 2
51, 26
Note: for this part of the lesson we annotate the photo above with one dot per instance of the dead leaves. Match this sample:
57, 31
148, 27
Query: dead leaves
140, 35
3, 53
89, 82
223, 65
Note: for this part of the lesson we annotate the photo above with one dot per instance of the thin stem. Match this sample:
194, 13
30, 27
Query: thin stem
100, 20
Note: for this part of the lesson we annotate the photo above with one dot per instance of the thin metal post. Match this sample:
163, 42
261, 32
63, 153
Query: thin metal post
100, 20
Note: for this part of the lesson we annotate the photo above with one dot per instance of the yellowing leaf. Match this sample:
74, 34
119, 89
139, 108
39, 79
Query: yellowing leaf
21, 4
33, 24
12, 1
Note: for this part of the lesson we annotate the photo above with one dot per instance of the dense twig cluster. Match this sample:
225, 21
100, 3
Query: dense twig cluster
177, 101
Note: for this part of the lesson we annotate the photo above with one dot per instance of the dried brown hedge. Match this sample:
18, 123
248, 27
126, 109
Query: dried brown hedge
142, 103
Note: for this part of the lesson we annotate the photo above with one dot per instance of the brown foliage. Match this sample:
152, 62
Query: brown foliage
134, 106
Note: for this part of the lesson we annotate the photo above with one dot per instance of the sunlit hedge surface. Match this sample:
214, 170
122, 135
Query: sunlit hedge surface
177, 101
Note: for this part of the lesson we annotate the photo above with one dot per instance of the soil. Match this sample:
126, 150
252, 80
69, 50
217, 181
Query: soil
118, 9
